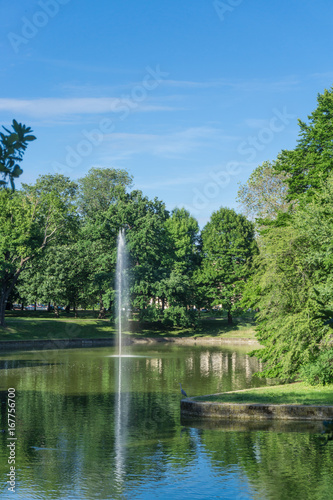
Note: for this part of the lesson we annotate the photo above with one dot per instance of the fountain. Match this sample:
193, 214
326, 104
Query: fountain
122, 302
122, 296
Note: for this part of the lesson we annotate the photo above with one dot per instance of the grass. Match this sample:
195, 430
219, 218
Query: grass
31, 325
295, 393
209, 326
39, 325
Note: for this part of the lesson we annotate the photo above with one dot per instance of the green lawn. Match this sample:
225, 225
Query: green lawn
296, 393
209, 326
30, 325
33, 325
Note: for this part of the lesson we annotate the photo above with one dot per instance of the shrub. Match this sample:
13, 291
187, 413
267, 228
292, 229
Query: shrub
179, 316
150, 314
320, 371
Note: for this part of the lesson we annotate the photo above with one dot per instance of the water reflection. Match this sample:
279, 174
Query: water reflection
89, 430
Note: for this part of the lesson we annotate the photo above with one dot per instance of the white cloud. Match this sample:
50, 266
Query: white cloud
172, 145
262, 84
47, 107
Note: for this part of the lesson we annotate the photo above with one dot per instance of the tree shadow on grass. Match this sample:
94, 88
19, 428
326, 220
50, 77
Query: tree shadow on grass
207, 327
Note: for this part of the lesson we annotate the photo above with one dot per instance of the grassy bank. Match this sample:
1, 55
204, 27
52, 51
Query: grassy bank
30, 325
38, 325
296, 393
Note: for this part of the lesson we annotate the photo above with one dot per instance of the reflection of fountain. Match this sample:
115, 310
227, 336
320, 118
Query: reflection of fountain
121, 288
121, 416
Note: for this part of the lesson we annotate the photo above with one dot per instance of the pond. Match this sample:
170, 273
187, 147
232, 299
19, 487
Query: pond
83, 432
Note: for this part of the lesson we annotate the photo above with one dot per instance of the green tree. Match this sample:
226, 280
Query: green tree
29, 221
60, 275
228, 247
183, 233
176, 289
12, 147
99, 192
146, 236
309, 164
293, 285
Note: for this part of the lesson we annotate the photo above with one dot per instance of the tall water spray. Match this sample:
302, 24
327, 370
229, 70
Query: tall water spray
122, 295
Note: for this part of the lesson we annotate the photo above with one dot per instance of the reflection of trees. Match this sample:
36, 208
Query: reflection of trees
278, 465
70, 437
67, 426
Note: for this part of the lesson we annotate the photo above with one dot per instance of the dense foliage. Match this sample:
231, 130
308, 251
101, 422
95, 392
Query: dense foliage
310, 163
228, 246
293, 280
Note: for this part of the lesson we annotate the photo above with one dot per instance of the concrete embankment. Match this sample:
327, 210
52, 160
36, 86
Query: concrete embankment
7, 345
226, 411
196, 340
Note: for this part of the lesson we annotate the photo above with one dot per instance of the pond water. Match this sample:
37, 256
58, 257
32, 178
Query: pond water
84, 433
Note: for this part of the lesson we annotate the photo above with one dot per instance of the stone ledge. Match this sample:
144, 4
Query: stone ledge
77, 342
7, 345
196, 340
256, 411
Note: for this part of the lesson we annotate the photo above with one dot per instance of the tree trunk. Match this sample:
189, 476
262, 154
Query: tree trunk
101, 314
229, 318
22, 306
35, 306
7, 286
56, 312
2, 307
49, 307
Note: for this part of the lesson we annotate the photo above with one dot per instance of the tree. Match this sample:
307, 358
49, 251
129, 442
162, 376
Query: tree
293, 286
176, 288
311, 162
264, 194
228, 247
100, 191
147, 242
100, 188
29, 221
12, 147
60, 275
183, 233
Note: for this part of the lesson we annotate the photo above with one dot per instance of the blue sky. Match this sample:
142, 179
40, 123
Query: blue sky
189, 96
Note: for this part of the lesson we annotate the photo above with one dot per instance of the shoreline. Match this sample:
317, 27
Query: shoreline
101, 342
278, 405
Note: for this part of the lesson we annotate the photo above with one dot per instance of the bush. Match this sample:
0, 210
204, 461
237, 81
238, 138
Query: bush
150, 314
320, 371
179, 316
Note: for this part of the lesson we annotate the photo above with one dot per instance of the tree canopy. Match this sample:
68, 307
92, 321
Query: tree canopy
29, 222
265, 193
310, 163
293, 285
228, 247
